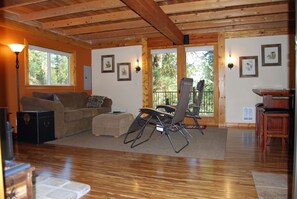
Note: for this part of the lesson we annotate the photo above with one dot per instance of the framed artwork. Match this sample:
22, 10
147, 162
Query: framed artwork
107, 63
271, 55
124, 71
248, 66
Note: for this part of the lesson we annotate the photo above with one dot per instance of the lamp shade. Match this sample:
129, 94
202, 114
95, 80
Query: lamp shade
16, 47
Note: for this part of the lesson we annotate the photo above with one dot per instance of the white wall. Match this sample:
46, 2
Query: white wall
239, 90
126, 95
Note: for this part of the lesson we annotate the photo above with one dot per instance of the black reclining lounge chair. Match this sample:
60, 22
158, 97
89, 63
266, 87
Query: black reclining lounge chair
164, 122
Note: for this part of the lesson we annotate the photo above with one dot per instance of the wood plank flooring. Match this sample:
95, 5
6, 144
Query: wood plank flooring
129, 175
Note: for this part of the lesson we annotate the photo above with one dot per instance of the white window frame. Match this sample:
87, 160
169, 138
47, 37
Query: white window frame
49, 52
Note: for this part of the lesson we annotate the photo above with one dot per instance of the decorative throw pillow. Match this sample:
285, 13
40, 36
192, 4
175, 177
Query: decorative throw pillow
53, 97
95, 101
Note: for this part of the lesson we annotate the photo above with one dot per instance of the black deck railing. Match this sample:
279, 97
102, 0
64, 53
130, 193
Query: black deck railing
170, 97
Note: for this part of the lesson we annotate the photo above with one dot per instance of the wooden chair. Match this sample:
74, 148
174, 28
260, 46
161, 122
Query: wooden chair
276, 124
259, 121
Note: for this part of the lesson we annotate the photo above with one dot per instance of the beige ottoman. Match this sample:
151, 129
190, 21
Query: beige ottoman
114, 124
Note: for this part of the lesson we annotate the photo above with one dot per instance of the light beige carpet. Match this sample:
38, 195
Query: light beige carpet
271, 185
211, 145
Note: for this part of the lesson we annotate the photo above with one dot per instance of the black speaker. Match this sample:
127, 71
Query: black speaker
186, 39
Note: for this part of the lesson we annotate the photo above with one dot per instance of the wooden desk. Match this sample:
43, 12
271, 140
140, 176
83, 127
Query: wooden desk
276, 98
274, 92
280, 99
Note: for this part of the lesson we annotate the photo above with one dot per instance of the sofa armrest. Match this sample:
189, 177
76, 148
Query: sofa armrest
36, 104
107, 102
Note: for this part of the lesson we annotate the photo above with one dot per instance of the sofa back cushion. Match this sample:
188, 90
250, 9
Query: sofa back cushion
73, 100
43, 95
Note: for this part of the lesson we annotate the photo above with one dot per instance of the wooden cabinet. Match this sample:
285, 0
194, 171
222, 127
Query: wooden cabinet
35, 126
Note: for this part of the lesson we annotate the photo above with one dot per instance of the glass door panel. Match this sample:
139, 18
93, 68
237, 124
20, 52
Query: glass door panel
200, 65
164, 68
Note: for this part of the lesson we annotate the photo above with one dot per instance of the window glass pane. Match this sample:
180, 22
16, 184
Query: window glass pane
37, 67
59, 69
48, 67
164, 77
200, 65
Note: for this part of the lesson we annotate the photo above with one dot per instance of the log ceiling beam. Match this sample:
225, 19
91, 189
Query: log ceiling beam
7, 4
140, 25
197, 6
76, 8
105, 17
271, 21
117, 33
260, 27
235, 21
90, 23
153, 14
107, 27
182, 18
34, 30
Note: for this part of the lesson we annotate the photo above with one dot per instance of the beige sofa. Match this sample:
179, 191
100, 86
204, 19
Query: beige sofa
72, 115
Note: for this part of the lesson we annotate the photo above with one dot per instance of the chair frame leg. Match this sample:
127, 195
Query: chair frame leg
134, 144
139, 134
197, 125
171, 142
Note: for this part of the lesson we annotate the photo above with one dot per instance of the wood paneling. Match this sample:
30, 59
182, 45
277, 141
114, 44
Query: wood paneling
112, 21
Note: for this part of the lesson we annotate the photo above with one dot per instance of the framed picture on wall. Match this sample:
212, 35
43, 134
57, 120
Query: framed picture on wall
107, 63
124, 71
271, 55
248, 66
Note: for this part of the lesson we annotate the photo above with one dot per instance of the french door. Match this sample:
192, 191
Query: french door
197, 62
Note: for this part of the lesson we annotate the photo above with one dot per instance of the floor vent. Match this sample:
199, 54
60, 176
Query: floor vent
248, 114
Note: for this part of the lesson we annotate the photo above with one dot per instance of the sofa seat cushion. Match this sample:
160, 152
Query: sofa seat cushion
78, 114
72, 115
89, 112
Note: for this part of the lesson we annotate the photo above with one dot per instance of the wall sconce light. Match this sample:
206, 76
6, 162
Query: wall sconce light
137, 68
230, 61
17, 48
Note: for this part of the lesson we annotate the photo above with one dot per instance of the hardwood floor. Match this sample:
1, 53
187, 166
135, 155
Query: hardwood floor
114, 174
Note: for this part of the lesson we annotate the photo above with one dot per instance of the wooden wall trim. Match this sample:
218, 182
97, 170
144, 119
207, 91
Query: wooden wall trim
146, 75
222, 76
240, 125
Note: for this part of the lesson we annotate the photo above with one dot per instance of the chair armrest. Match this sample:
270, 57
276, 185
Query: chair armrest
193, 106
167, 108
152, 111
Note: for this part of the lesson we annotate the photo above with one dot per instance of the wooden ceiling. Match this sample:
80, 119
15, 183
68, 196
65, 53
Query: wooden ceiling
99, 22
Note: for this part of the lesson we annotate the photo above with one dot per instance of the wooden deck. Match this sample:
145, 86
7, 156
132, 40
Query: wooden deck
129, 175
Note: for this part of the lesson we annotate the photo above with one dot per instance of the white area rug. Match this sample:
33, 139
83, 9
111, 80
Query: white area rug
57, 188
271, 185
211, 145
